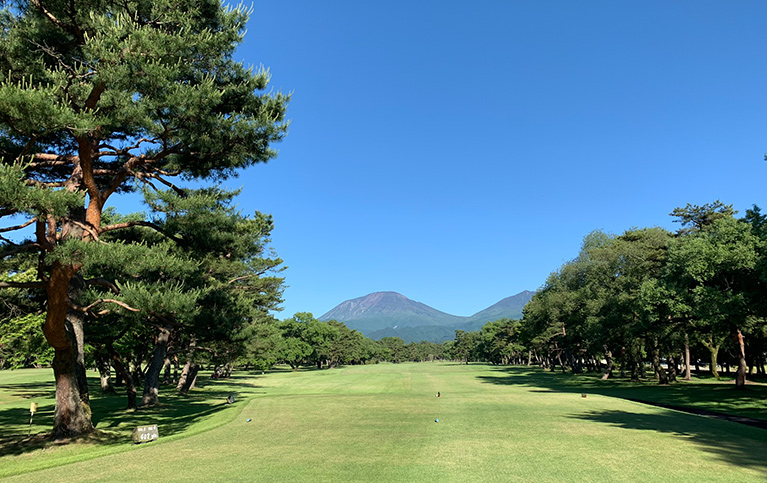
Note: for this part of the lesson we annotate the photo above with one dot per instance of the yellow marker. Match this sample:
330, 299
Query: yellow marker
32, 409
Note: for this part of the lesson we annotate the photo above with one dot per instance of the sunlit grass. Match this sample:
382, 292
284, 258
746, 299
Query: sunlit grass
377, 423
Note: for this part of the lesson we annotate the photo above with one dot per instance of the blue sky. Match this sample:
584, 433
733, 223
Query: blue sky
458, 152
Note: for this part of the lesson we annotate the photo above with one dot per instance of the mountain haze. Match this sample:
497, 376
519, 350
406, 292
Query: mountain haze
390, 314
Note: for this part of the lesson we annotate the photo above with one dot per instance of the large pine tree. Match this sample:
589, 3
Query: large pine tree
97, 97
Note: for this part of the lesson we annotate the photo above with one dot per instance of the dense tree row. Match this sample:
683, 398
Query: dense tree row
305, 341
672, 301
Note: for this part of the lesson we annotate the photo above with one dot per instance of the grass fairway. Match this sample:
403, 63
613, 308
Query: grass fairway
377, 423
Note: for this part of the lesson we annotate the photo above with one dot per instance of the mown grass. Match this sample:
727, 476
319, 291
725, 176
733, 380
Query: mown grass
377, 423
701, 393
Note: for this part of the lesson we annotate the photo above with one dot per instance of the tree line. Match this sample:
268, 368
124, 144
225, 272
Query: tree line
648, 298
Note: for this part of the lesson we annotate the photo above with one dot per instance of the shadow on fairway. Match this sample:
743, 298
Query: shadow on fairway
114, 423
723, 398
738, 451
30, 390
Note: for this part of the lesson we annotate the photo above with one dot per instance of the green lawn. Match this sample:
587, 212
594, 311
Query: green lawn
377, 423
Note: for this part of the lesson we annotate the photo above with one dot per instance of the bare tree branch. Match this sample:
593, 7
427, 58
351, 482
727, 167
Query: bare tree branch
18, 227
100, 301
147, 224
245, 277
45, 184
103, 283
49, 15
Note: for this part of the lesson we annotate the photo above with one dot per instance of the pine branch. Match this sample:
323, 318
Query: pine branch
44, 160
131, 164
147, 224
94, 234
179, 191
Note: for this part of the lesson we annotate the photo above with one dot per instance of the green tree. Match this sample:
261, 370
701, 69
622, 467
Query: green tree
695, 218
97, 97
466, 344
715, 269
394, 349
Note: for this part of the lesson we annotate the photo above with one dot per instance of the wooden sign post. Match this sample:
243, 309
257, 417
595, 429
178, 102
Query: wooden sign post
144, 434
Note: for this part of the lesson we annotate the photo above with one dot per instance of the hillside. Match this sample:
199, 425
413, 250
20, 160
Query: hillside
509, 308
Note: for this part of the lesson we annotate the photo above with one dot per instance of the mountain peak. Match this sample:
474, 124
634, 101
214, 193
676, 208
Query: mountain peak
382, 310
386, 309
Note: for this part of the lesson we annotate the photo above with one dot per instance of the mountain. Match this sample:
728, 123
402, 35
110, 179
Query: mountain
508, 308
389, 314
380, 310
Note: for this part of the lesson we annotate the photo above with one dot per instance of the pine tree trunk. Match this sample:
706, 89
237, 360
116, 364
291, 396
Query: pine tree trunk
176, 377
167, 376
130, 387
624, 361
152, 381
714, 352
63, 331
740, 348
609, 369
72, 416
660, 374
105, 373
687, 370
635, 359
188, 377
672, 368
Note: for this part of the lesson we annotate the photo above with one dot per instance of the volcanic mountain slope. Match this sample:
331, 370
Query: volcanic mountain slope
389, 314
388, 309
508, 308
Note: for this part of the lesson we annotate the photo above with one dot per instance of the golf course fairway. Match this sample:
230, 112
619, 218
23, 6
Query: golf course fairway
378, 423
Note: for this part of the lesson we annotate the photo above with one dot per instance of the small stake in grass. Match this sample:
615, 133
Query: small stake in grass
32, 410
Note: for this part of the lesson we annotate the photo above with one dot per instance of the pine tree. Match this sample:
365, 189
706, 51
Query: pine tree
97, 98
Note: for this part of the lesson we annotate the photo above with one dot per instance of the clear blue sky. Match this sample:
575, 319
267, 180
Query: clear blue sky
458, 152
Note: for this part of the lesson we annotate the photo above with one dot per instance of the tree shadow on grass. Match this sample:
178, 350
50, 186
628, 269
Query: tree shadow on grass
741, 449
719, 397
739, 445
30, 390
114, 424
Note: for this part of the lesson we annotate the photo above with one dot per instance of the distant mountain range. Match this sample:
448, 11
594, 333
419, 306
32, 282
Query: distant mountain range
389, 314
